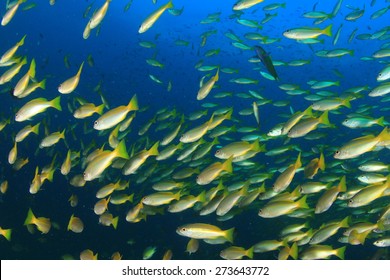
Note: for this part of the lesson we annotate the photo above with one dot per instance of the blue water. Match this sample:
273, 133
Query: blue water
54, 32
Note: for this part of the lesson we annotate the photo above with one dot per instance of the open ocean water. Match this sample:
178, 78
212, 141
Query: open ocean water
165, 67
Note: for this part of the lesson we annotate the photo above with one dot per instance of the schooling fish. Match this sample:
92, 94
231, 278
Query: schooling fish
267, 61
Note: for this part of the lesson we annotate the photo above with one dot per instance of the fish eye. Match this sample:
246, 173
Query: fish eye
260, 211
183, 229
337, 152
380, 74
217, 152
350, 201
96, 123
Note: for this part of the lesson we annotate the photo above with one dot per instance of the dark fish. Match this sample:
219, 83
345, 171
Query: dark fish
266, 60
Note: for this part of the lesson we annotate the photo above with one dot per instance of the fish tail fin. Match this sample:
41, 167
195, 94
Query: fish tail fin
308, 111
169, 4
30, 219
21, 42
381, 121
201, 197
324, 119
361, 237
153, 151
262, 188
121, 150
321, 162
302, 202
215, 141
298, 162
130, 198
345, 222
381, 225
346, 102
70, 222
50, 174
256, 145
56, 103
227, 165
24, 61
342, 185
294, 251
100, 108
7, 234
228, 115
229, 235
31, 71
328, 30
340, 253
62, 134
115, 222
133, 104
35, 128
42, 84
384, 135
249, 252
80, 69
216, 77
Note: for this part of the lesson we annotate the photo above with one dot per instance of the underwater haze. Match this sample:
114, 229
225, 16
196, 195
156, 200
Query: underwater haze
207, 129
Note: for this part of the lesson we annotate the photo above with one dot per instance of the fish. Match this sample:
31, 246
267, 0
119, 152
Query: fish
236, 253
369, 194
286, 177
307, 32
70, 84
138, 159
267, 61
316, 252
308, 125
37, 106
23, 82
8, 16
207, 87
211, 172
103, 160
114, 116
245, 4
75, 224
43, 224
279, 208
361, 145
99, 15
205, 231
151, 19
327, 199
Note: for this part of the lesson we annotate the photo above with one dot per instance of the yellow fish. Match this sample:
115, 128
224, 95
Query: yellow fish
207, 87
36, 106
150, 20
245, 4
99, 15
70, 84
114, 116
11, 12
